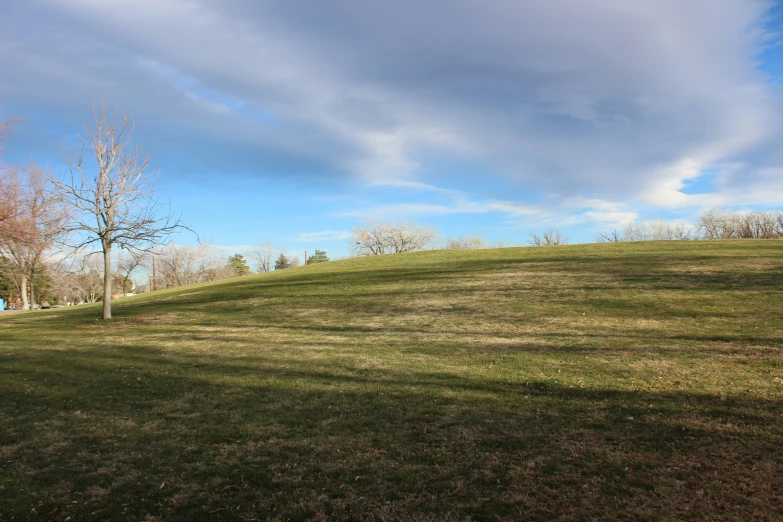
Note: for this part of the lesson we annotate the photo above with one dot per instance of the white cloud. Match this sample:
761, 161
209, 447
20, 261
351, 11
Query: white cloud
621, 101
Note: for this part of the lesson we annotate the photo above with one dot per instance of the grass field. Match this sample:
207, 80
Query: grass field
617, 381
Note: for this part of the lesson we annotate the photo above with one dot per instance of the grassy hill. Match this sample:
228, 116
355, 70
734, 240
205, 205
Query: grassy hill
640, 380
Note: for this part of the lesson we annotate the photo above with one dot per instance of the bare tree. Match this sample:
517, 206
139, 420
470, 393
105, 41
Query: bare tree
31, 230
185, 265
369, 239
127, 263
113, 197
611, 236
7, 190
410, 237
10, 201
715, 224
659, 230
551, 237
262, 255
84, 281
373, 238
680, 232
179, 265
759, 225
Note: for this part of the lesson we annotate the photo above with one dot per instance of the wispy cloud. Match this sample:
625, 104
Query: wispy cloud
190, 87
324, 235
548, 102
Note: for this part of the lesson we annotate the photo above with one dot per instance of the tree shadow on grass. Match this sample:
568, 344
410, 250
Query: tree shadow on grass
127, 433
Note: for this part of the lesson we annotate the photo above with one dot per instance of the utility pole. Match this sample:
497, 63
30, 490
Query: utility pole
154, 275
305, 257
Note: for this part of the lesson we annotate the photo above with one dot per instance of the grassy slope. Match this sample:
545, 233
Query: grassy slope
582, 382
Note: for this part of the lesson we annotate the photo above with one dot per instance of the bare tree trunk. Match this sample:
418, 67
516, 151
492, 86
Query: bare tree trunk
32, 290
106, 282
23, 290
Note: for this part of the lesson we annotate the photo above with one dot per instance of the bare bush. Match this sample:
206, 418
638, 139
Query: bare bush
659, 230
374, 238
466, 243
551, 237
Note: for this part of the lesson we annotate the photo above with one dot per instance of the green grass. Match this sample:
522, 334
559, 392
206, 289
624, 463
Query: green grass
618, 381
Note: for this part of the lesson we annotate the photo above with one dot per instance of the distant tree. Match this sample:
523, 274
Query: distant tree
8, 289
610, 236
127, 263
61, 289
84, 281
123, 285
282, 262
185, 265
374, 238
262, 255
551, 237
113, 197
238, 265
45, 284
466, 243
318, 257
88, 286
715, 224
659, 230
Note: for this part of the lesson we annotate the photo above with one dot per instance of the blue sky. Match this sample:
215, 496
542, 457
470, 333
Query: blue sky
292, 122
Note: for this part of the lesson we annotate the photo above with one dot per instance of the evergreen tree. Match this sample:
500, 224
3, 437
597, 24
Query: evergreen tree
318, 257
238, 264
282, 262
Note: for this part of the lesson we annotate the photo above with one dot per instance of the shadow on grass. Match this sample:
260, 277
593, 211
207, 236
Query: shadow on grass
128, 433
590, 276
293, 433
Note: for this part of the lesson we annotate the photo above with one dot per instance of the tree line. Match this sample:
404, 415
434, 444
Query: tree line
80, 279
712, 224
